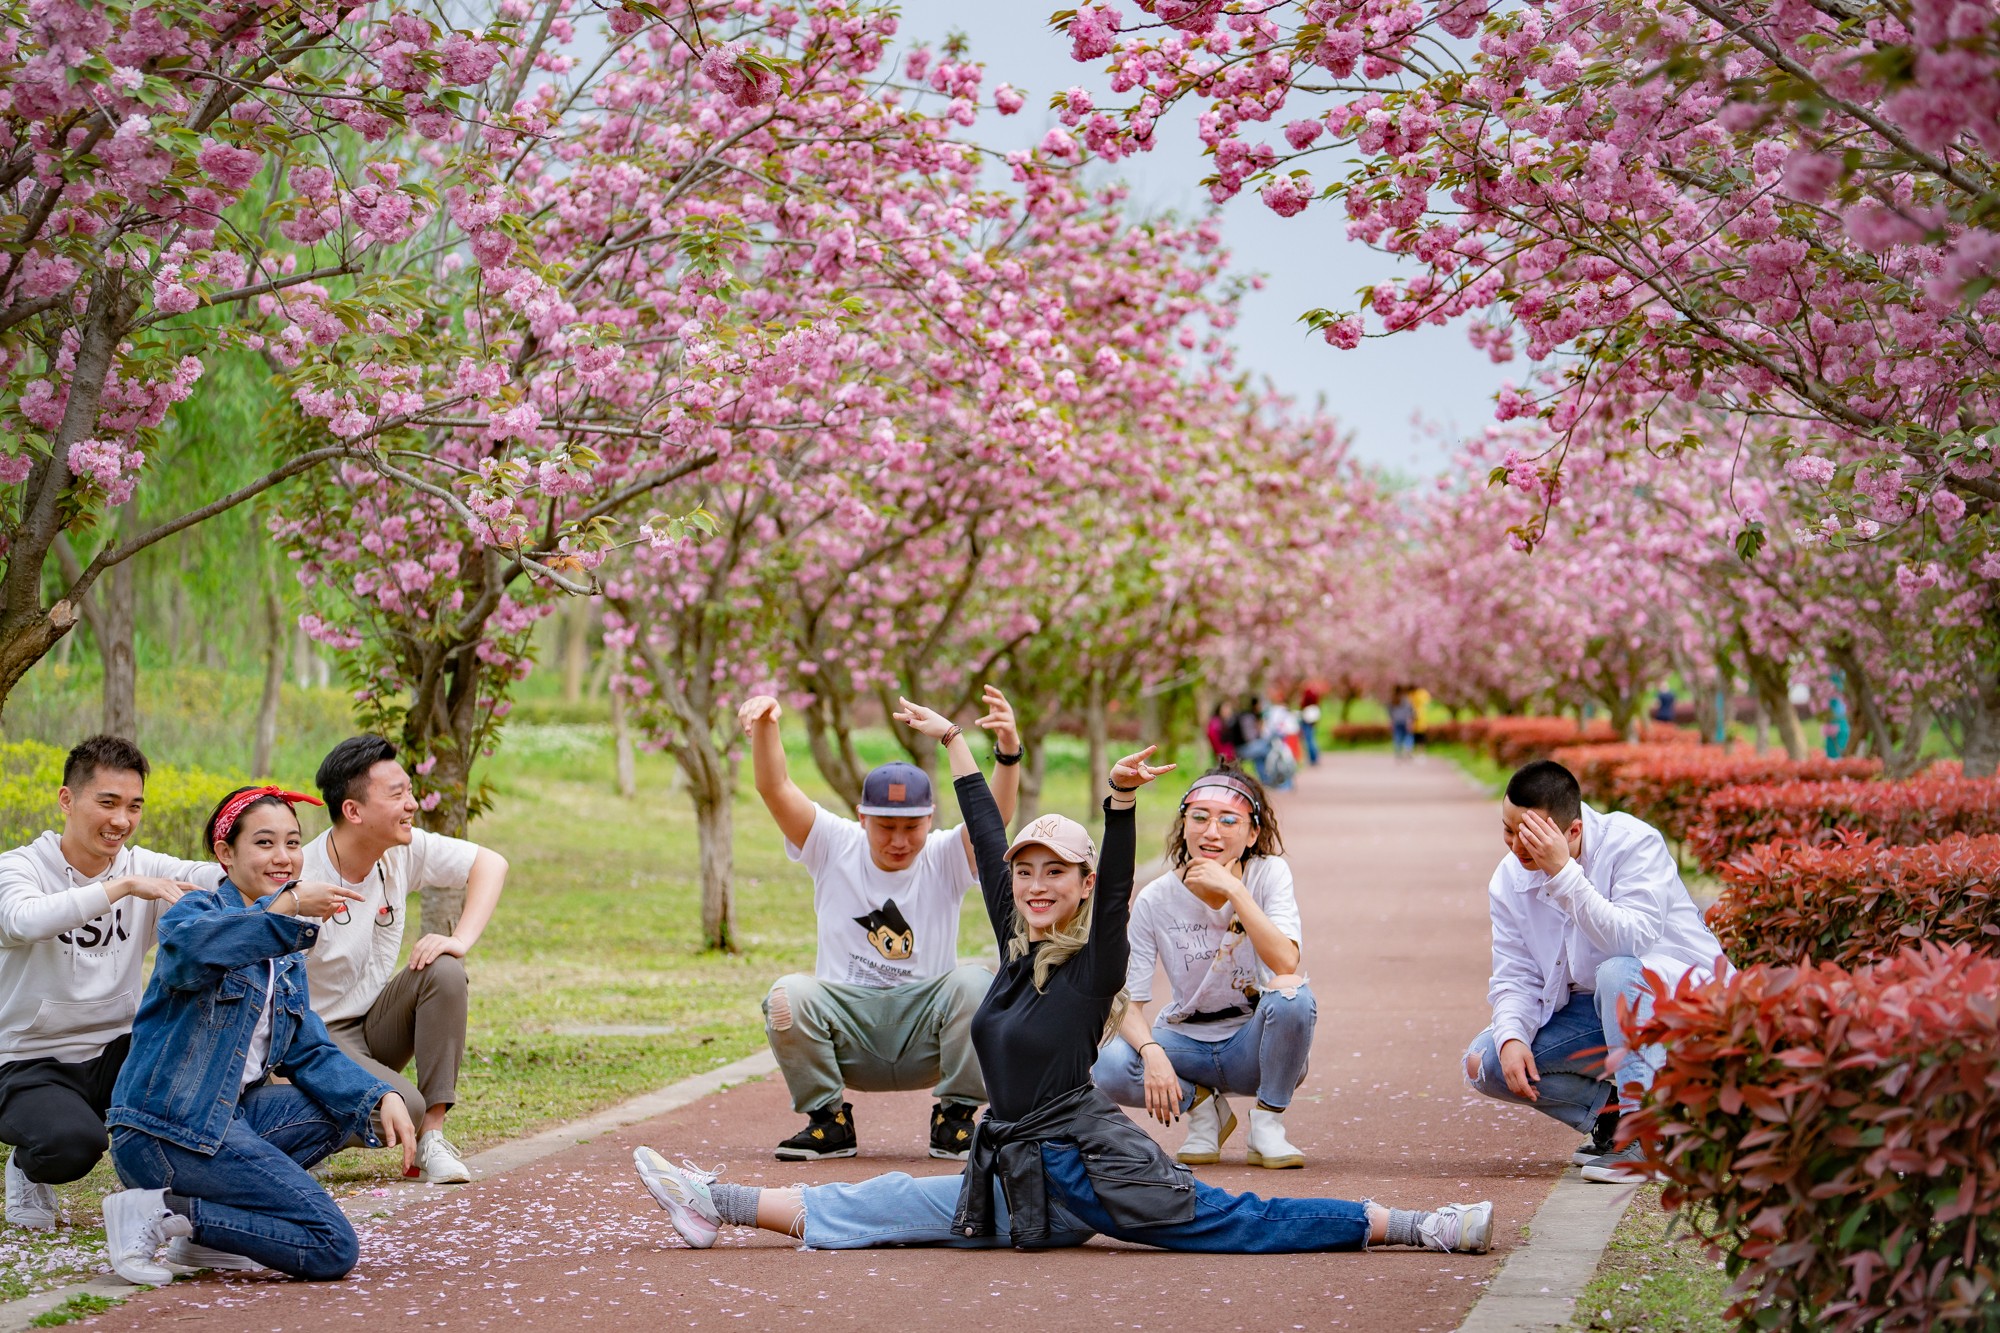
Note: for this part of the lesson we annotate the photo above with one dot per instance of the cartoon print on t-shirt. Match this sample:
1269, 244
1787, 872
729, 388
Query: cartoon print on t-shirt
889, 932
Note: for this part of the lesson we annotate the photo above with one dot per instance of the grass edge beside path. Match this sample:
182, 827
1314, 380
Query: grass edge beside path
1655, 1276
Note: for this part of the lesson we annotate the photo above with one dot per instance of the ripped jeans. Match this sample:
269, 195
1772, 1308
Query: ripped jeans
1571, 1050
1265, 1058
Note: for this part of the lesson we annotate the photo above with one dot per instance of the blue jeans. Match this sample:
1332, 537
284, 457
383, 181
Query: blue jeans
1310, 732
1570, 1052
1265, 1058
1223, 1223
897, 1209
1253, 752
255, 1196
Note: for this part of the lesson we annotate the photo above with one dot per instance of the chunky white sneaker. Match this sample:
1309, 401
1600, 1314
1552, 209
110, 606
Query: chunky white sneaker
437, 1160
1268, 1144
182, 1252
136, 1225
1458, 1228
29, 1203
1627, 1166
683, 1191
1210, 1122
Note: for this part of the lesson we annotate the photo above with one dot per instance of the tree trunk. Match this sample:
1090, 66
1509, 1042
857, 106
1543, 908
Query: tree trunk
1769, 677
118, 613
274, 681
576, 620
712, 787
1034, 770
1096, 728
1982, 729
832, 743
621, 739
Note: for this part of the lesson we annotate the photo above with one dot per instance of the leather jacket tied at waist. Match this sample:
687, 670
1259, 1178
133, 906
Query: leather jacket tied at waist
1136, 1183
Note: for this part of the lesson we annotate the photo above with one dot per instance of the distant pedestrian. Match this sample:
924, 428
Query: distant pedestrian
1309, 714
1420, 722
1402, 729
1219, 735
1247, 731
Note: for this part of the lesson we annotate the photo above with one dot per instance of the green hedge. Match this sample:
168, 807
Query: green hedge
178, 800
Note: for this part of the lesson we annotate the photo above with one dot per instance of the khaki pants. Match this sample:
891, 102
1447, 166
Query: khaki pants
830, 1036
419, 1014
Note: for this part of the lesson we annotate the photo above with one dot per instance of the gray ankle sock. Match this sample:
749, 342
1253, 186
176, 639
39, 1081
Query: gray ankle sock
735, 1204
1403, 1224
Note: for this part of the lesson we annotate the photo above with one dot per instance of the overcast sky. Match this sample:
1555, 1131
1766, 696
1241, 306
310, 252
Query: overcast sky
1380, 388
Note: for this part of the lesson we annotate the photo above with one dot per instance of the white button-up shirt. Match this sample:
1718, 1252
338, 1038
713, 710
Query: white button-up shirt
1622, 897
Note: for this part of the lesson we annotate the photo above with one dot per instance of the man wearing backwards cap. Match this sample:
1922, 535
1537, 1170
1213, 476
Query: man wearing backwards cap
888, 1007
78, 911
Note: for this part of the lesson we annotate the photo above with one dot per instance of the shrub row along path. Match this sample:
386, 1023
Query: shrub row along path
1392, 861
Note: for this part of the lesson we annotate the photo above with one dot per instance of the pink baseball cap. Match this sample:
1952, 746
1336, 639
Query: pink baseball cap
1062, 835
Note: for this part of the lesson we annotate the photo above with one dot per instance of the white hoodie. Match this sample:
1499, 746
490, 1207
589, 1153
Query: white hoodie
72, 965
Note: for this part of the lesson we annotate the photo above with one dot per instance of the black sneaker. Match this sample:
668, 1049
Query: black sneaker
951, 1130
829, 1133
1602, 1140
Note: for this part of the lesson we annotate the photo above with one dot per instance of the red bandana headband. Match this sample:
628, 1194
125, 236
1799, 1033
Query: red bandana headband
233, 808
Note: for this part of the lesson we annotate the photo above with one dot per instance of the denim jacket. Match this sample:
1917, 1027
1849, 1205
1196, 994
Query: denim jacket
184, 1076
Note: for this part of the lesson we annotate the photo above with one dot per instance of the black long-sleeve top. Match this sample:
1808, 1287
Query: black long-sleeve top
1036, 1047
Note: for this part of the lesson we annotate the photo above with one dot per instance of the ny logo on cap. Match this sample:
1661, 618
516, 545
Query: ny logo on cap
898, 792
1044, 826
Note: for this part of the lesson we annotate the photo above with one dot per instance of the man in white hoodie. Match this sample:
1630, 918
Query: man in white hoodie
77, 914
1583, 906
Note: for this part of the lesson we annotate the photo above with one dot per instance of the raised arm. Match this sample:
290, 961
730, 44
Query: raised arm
199, 940
985, 829
790, 807
1109, 949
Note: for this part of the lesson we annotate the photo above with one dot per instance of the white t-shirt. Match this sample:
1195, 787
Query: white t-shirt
259, 1054
879, 927
355, 958
1210, 963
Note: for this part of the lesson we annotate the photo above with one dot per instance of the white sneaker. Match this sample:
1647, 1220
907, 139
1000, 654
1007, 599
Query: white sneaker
1210, 1122
29, 1203
1627, 1166
438, 1162
1268, 1144
182, 1252
683, 1191
1458, 1228
136, 1225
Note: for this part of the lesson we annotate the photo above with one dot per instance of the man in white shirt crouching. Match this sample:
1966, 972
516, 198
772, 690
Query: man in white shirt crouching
376, 1010
1583, 905
78, 910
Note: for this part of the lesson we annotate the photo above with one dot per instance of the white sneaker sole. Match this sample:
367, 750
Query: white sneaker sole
1624, 1173
1285, 1163
657, 1175
1475, 1229
197, 1258
31, 1219
448, 1176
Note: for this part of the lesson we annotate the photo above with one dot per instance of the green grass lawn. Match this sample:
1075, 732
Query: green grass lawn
600, 927
1655, 1276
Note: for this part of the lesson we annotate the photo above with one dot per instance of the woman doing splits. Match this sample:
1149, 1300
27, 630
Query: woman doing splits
216, 1157
1053, 1160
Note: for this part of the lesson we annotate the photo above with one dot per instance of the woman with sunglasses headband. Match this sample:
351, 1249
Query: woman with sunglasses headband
1052, 1160
1224, 925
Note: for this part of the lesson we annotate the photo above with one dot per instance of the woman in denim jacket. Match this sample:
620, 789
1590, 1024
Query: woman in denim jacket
216, 1158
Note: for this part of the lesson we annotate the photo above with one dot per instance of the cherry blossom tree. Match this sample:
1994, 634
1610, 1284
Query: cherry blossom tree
1779, 212
185, 178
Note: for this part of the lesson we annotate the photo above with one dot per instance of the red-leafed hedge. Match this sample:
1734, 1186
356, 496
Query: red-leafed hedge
1513, 741
1857, 901
1358, 733
1666, 788
1736, 819
1594, 765
1843, 1126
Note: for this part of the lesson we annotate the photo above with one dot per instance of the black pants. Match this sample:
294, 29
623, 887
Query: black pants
53, 1113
